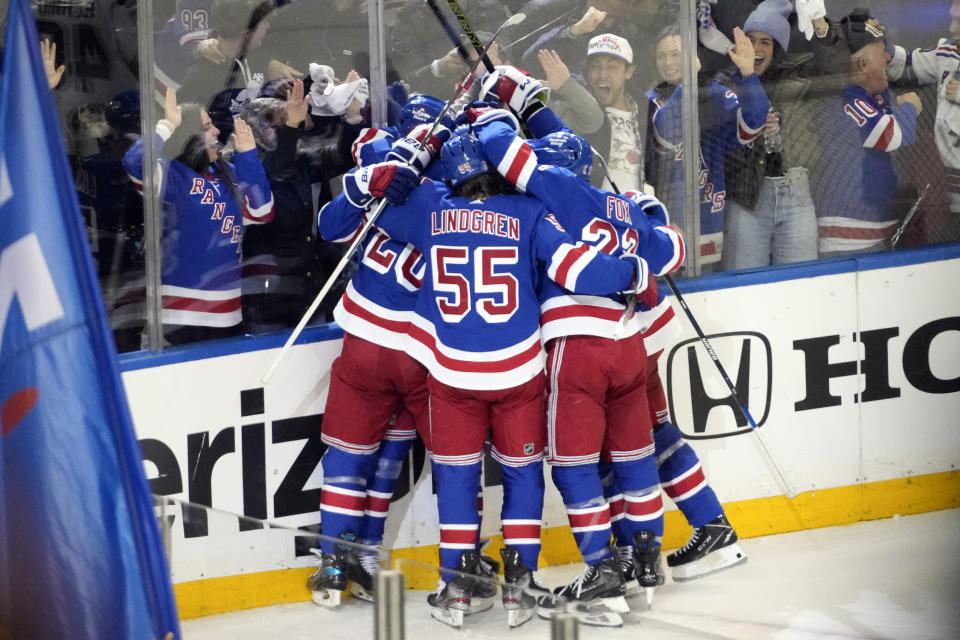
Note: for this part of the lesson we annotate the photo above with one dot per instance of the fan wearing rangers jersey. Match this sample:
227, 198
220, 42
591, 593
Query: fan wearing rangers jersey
476, 328
736, 120
378, 393
864, 127
678, 468
206, 204
939, 66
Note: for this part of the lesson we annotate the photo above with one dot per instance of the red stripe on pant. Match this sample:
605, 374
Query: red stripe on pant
616, 508
685, 485
589, 519
329, 498
378, 505
518, 531
645, 509
458, 536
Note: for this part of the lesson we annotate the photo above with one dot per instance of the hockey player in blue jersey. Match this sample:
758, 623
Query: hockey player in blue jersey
206, 204
476, 329
378, 394
374, 144
678, 468
605, 410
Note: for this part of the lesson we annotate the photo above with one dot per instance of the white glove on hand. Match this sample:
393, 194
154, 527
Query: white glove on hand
641, 274
514, 88
807, 12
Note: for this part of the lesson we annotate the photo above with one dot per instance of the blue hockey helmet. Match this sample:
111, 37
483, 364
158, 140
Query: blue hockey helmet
420, 109
462, 157
567, 150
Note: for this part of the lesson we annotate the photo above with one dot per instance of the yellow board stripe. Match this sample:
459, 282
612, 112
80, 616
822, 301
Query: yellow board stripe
752, 518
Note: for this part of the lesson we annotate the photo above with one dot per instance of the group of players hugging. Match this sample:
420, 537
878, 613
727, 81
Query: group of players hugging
501, 297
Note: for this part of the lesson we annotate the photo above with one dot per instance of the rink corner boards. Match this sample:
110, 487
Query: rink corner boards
752, 518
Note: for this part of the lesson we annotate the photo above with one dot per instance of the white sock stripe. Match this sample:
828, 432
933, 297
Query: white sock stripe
347, 512
513, 541
644, 518
459, 527
332, 488
577, 511
592, 527
521, 522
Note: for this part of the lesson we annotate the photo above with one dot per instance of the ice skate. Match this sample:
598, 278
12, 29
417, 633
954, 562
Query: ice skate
488, 566
363, 572
712, 547
629, 572
329, 580
595, 597
521, 589
646, 561
458, 597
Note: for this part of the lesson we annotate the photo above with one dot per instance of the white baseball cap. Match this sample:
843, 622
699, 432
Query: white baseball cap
611, 45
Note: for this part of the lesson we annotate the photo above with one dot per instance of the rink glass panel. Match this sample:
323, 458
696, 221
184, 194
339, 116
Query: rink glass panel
100, 95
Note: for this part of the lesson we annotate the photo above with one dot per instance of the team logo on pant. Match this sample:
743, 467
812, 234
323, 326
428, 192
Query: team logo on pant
700, 401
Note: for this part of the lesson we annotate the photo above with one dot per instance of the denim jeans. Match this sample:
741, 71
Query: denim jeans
781, 228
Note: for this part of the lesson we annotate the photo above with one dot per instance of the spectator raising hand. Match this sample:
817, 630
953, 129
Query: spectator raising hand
589, 22
742, 53
243, 139
297, 104
554, 69
48, 51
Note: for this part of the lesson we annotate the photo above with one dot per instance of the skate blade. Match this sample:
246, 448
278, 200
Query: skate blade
516, 617
452, 617
648, 595
725, 558
596, 618
478, 605
360, 593
617, 604
327, 597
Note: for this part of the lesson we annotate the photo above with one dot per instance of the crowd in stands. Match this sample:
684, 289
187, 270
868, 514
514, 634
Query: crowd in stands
820, 135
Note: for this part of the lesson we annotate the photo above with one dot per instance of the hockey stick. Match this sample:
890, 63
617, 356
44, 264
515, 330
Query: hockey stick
472, 35
448, 29
895, 239
540, 28
754, 427
361, 235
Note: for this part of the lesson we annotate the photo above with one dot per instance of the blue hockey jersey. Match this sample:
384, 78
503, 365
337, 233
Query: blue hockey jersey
613, 223
379, 301
737, 120
380, 297
855, 212
202, 228
477, 318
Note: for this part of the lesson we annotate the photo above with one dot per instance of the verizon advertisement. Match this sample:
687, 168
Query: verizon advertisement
852, 378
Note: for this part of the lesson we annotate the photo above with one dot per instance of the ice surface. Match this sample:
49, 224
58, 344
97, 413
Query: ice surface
894, 578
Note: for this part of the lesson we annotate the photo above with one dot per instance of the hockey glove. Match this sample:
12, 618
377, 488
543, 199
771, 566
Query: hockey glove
391, 180
408, 151
516, 89
650, 206
644, 286
480, 113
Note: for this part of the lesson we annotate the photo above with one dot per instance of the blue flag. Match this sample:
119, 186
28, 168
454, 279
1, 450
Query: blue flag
80, 552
